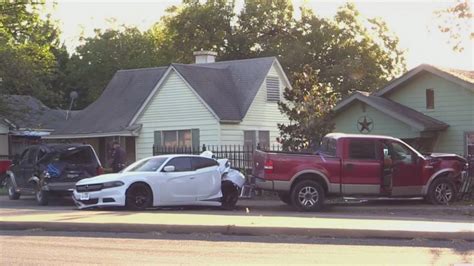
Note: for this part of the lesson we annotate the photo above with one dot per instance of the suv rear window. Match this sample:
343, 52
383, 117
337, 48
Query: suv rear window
76, 155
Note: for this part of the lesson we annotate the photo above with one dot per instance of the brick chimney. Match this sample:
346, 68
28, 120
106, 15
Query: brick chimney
203, 57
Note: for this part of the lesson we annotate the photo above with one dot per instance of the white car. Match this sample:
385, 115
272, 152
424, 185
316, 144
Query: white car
165, 180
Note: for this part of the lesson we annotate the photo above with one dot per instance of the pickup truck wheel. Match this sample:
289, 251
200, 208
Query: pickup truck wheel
12, 194
441, 192
230, 196
42, 197
307, 196
139, 197
285, 197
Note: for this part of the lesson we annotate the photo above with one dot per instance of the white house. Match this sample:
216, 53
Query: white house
213, 103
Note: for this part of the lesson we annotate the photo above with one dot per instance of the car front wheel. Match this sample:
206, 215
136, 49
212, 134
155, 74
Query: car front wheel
230, 195
139, 197
441, 192
307, 196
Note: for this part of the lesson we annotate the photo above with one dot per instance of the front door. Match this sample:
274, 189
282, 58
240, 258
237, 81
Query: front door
180, 186
406, 179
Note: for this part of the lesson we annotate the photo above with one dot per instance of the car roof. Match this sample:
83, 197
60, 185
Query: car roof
176, 155
362, 136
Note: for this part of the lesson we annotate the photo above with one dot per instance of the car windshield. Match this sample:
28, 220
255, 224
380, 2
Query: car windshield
146, 165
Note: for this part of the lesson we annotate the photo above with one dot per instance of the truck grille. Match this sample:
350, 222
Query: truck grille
89, 188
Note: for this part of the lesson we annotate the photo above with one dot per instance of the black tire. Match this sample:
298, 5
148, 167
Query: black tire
441, 192
12, 194
41, 196
230, 196
285, 197
307, 196
139, 197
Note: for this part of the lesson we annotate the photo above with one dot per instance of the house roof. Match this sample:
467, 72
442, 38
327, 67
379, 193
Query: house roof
30, 113
464, 78
395, 110
228, 87
115, 108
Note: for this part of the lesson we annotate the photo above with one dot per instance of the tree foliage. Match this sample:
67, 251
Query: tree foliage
308, 107
95, 61
456, 21
28, 48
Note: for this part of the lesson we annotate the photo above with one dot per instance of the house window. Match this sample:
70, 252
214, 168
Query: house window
254, 138
177, 138
273, 89
429, 99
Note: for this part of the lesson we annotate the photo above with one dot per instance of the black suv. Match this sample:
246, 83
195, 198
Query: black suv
46, 170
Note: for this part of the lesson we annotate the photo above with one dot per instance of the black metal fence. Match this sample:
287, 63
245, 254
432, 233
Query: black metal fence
240, 156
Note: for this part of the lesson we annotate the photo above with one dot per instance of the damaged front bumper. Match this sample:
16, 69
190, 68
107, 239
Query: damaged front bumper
110, 197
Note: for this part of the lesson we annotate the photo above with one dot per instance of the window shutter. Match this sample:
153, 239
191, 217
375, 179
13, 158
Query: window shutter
157, 136
195, 138
273, 89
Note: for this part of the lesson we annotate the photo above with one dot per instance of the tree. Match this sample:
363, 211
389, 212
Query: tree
456, 21
308, 107
194, 26
95, 61
27, 51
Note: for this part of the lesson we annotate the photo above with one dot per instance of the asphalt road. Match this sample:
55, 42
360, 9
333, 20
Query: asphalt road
60, 248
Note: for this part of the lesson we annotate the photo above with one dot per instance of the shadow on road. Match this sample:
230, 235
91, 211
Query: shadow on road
459, 246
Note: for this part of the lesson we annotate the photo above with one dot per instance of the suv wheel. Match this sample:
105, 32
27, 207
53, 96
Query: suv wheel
42, 197
12, 194
441, 192
307, 196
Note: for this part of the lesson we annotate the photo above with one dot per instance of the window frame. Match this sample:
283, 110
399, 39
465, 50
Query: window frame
430, 99
177, 158
349, 155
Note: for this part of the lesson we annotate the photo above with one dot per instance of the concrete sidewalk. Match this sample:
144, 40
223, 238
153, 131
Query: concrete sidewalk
241, 223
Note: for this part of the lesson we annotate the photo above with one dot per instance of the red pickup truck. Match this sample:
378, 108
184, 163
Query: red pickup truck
359, 166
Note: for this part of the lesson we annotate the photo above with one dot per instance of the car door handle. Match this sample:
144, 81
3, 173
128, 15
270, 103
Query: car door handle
192, 178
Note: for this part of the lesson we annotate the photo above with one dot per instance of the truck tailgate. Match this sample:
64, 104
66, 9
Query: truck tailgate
259, 158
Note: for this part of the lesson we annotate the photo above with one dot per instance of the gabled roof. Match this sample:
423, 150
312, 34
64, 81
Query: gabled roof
462, 77
395, 110
227, 87
115, 108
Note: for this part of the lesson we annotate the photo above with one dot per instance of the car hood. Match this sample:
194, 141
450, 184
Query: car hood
448, 156
108, 178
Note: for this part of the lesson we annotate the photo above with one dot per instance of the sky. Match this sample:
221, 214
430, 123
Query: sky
412, 21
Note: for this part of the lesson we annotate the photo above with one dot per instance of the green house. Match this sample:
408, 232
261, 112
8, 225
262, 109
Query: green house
429, 107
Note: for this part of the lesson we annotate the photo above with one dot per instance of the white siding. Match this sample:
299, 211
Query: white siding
175, 106
262, 115
3, 129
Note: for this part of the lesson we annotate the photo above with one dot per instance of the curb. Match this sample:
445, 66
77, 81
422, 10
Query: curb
234, 230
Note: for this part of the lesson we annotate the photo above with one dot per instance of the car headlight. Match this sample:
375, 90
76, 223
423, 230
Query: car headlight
113, 184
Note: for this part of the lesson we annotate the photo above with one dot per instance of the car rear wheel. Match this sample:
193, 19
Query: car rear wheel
139, 197
230, 196
307, 196
441, 192
12, 194
42, 197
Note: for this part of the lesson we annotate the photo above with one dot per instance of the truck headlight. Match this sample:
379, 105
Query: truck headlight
113, 184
